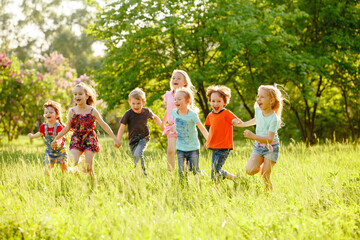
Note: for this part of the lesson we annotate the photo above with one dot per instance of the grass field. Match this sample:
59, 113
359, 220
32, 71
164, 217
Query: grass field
316, 195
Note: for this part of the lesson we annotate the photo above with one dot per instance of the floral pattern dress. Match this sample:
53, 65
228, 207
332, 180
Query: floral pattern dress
84, 136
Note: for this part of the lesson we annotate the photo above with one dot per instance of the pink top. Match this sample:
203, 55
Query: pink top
170, 105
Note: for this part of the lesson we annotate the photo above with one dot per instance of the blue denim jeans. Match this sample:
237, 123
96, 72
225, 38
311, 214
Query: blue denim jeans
191, 159
137, 151
218, 159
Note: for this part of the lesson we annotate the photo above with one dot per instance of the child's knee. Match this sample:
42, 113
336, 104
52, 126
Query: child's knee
74, 159
252, 171
171, 151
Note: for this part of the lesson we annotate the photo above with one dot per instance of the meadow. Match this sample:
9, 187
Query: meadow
316, 195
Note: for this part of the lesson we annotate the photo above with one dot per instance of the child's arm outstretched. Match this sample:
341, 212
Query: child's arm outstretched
121, 132
203, 130
36, 135
64, 131
238, 123
157, 120
106, 127
164, 121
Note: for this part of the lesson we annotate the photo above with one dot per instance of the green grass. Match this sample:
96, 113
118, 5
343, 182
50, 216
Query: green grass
316, 196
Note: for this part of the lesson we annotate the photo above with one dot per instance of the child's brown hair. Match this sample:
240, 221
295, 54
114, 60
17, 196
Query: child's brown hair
57, 107
223, 91
137, 93
90, 92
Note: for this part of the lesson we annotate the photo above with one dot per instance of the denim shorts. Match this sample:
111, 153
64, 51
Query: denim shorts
265, 152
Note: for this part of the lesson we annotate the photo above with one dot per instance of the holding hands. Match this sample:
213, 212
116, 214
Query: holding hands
31, 136
117, 142
247, 133
55, 143
237, 122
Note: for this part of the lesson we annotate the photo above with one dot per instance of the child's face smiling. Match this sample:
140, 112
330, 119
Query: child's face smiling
136, 104
217, 102
50, 115
177, 80
180, 101
264, 100
80, 96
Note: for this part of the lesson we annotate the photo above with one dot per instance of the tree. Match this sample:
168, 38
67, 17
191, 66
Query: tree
52, 28
25, 87
328, 33
148, 39
241, 44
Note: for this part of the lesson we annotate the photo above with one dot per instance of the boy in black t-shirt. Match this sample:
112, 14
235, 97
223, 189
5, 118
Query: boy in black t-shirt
137, 120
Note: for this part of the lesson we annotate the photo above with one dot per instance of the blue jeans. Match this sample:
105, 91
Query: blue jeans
137, 151
191, 159
218, 159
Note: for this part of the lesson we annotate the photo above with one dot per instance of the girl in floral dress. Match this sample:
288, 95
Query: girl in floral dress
81, 119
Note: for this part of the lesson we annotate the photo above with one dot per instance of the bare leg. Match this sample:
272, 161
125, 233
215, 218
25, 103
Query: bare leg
64, 168
253, 165
266, 171
230, 176
89, 160
74, 158
48, 169
171, 153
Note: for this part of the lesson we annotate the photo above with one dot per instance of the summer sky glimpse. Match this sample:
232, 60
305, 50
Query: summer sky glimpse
32, 31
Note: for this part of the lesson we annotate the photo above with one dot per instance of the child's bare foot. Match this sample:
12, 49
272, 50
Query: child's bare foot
74, 170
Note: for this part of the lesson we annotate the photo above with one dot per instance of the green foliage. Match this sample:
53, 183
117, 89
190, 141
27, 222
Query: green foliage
25, 87
315, 196
308, 46
56, 26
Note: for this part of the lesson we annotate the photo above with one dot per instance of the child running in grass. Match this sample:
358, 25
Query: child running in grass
221, 131
82, 120
268, 108
186, 120
52, 127
137, 120
179, 79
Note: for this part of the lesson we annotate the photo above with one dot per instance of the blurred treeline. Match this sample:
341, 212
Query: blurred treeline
310, 47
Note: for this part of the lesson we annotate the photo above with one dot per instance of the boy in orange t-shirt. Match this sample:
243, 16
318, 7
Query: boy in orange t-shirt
220, 139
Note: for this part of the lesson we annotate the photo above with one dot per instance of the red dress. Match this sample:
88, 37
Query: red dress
84, 137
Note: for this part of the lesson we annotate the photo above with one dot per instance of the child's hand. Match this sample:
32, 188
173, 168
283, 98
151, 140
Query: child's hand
54, 144
173, 128
30, 135
117, 143
248, 134
237, 122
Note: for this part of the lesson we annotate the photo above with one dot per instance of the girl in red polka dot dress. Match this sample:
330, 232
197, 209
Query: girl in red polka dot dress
82, 120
